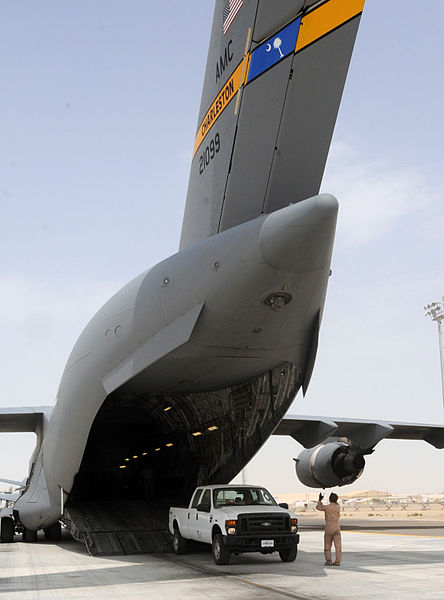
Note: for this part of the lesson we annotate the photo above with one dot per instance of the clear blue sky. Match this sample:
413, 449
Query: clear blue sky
98, 113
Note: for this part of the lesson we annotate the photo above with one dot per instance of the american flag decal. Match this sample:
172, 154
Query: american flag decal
231, 8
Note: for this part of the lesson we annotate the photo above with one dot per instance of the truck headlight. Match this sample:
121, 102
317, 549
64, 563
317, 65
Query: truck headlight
294, 526
230, 526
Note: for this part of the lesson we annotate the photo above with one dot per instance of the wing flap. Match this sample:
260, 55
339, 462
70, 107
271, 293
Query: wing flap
311, 431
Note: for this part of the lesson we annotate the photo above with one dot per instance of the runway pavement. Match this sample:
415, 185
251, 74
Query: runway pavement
388, 526
377, 565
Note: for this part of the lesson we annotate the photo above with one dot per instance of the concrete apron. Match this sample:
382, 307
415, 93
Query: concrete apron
374, 566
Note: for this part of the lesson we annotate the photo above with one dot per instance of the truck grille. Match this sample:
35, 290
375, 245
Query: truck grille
263, 523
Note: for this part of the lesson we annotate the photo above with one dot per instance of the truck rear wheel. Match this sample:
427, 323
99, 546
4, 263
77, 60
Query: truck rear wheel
289, 554
221, 553
179, 543
7, 530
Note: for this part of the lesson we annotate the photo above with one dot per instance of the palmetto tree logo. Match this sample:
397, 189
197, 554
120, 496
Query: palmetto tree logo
277, 43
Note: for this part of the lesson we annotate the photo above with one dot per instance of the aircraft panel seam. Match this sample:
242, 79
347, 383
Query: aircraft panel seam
240, 76
277, 137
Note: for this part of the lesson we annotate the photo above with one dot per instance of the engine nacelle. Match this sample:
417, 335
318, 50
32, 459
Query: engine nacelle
329, 465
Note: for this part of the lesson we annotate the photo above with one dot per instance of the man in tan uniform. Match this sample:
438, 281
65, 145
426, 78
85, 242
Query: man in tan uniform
332, 533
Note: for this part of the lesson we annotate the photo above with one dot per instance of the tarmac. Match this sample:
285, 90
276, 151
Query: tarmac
380, 562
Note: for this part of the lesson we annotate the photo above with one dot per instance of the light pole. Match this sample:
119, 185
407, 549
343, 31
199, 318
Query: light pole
435, 311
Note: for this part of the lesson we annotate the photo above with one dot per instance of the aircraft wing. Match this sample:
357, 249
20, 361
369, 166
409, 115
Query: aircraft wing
13, 481
23, 419
311, 431
12, 497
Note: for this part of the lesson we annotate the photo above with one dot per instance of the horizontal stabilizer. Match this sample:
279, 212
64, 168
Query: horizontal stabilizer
311, 431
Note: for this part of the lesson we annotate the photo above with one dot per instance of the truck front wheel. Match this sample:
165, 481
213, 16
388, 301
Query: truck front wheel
221, 553
179, 543
289, 554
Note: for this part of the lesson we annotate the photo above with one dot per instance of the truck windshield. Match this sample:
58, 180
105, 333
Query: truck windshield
242, 496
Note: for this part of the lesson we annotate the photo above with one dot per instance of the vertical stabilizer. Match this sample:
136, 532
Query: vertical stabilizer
273, 83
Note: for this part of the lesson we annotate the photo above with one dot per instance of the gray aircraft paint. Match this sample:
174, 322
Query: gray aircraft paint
204, 315
271, 16
311, 431
297, 168
206, 191
276, 132
225, 331
251, 169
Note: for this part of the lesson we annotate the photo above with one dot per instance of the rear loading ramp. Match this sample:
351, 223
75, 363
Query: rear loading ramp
150, 452
119, 527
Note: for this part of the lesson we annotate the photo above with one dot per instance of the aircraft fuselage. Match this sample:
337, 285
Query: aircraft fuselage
218, 314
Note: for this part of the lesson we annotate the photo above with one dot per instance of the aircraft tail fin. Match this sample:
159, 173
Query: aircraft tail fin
273, 85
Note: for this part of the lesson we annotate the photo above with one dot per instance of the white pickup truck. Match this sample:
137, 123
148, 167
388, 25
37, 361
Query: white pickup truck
235, 519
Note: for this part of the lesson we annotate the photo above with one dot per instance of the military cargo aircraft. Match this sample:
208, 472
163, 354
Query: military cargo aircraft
184, 373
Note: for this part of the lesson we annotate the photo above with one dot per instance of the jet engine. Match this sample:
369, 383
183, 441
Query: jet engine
330, 465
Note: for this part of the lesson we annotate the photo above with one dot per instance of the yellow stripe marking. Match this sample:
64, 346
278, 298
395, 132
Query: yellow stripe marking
438, 537
326, 18
245, 69
313, 26
224, 97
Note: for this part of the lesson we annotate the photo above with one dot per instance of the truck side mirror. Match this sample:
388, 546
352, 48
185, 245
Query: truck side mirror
203, 507
283, 505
